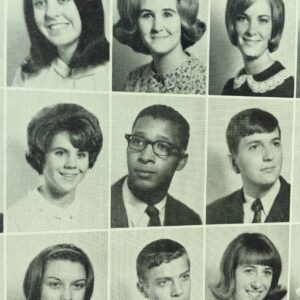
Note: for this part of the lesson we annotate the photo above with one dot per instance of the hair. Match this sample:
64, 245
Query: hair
126, 30
249, 248
81, 125
92, 49
167, 113
156, 253
32, 284
236, 7
247, 122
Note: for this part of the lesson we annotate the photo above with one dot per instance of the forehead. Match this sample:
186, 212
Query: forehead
157, 129
264, 137
65, 270
174, 268
259, 7
158, 4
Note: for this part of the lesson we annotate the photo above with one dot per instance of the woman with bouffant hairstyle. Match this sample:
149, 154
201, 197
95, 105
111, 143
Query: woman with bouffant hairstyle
64, 141
250, 268
255, 27
62, 271
163, 29
68, 47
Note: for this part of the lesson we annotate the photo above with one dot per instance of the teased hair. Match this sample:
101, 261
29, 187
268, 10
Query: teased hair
92, 49
247, 122
81, 125
32, 284
236, 7
126, 30
249, 248
164, 112
156, 253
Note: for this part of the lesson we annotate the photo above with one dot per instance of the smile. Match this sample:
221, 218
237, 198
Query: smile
157, 37
58, 26
254, 294
268, 169
69, 176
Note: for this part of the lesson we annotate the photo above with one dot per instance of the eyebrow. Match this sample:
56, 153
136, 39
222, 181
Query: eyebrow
259, 141
164, 9
159, 138
58, 279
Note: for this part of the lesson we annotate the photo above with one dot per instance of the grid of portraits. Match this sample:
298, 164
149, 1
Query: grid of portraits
149, 149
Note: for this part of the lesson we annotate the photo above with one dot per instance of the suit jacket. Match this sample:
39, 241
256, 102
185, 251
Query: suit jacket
229, 210
176, 213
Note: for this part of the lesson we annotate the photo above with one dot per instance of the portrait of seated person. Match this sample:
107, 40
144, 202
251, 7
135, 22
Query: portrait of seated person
255, 152
163, 271
255, 27
68, 47
250, 269
59, 272
64, 141
156, 150
164, 30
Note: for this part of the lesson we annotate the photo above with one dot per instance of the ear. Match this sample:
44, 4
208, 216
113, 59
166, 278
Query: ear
233, 164
182, 162
142, 288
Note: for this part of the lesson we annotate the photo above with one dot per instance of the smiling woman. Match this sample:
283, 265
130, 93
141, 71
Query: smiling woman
163, 29
64, 141
68, 46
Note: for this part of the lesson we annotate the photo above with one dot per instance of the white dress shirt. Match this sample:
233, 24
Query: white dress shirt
267, 202
136, 209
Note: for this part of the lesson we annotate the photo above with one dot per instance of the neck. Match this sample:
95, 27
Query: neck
148, 196
168, 62
59, 199
255, 65
66, 53
257, 192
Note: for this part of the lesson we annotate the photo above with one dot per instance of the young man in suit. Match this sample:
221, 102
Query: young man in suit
254, 142
163, 270
156, 149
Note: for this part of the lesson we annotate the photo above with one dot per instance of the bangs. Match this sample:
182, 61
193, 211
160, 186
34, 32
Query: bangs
240, 6
257, 256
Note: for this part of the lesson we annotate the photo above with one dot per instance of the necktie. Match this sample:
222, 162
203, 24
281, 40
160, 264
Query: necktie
257, 207
153, 214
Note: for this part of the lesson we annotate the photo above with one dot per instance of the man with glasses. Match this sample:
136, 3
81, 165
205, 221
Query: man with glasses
156, 149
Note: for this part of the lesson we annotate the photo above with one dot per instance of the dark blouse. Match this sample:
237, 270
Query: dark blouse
272, 82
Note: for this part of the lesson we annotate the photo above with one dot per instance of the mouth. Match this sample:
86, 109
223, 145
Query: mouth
250, 41
144, 173
57, 26
268, 169
158, 37
69, 176
254, 294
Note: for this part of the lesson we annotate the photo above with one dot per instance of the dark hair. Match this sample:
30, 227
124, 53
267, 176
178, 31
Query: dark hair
247, 122
81, 125
167, 113
32, 284
236, 7
156, 253
126, 29
249, 248
92, 49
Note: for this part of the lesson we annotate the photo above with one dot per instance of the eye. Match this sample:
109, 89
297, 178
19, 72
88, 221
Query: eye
146, 15
63, 1
185, 277
254, 147
168, 14
241, 18
263, 20
39, 3
248, 270
137, 141
54, 284
277, 143
59, 153
79, 285
163, 282
163, 146
82, 154
268, 272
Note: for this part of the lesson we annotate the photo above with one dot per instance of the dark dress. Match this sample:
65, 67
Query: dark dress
272, 82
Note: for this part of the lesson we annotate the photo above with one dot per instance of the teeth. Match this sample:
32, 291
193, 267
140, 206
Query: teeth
57, 26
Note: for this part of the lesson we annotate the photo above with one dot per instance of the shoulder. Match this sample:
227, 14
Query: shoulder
116, 188
181, 213
228, 87
138, 78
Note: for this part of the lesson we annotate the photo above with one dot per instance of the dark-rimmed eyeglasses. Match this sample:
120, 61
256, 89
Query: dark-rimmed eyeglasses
160, 148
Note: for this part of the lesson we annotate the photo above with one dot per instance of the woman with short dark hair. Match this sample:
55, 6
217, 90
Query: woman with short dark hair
68, 47
255, 28
250, 269
64, 141
163, 29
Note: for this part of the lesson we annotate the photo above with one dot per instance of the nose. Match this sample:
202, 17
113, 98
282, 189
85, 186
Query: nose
53, 9
71, 162
147, 155
257, 281
176, 289
251, 29
268, 154
66, 293
156, 24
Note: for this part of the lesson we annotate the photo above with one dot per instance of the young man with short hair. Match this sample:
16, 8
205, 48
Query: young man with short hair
254, 142
163, 271
156, 150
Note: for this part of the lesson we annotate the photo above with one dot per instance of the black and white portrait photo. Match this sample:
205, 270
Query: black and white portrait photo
58, 44
157, 265
249, 161
244, 263
249, 41
157, 161
160, 46
60, 149
56, 267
